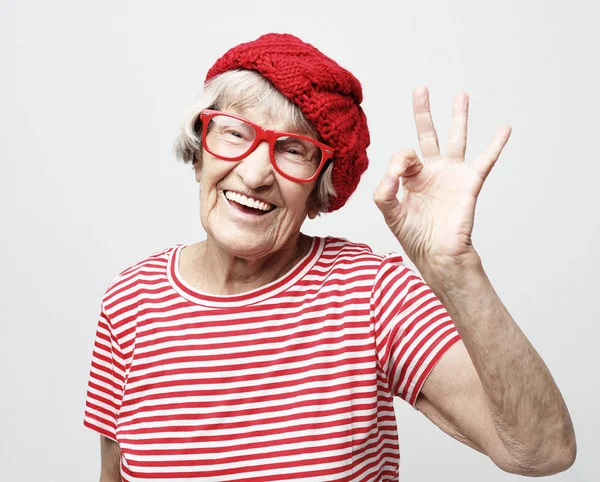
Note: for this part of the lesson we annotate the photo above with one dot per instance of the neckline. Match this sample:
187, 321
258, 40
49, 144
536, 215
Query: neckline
249, 297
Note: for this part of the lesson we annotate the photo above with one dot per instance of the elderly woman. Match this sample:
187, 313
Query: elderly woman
263, 354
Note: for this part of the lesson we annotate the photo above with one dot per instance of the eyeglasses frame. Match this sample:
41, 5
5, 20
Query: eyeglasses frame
268, 135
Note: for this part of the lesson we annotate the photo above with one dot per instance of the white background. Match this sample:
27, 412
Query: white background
92, 93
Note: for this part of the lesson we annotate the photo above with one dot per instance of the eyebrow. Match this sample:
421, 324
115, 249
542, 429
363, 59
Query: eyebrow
288, 127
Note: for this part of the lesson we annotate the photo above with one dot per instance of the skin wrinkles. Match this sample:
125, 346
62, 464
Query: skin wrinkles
240, 252
490, 390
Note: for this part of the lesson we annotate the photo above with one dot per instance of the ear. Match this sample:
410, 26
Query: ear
312, 203
197, 171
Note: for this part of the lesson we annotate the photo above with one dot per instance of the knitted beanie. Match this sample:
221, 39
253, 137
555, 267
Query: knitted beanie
328, 95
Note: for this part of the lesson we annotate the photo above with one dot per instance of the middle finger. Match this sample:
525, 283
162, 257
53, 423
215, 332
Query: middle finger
457, 139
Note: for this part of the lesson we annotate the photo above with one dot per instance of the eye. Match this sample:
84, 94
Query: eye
295, 151
293, 148
235, 133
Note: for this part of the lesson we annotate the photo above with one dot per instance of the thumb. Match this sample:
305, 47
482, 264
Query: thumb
405, 163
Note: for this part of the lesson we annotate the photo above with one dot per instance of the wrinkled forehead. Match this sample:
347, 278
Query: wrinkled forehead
269, 118
250, 95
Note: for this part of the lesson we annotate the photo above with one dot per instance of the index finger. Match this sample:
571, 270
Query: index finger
428, 139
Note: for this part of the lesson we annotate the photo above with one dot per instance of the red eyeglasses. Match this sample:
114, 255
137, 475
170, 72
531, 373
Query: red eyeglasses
231, 138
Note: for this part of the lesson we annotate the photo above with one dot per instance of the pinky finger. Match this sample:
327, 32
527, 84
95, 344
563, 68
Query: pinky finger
486, 161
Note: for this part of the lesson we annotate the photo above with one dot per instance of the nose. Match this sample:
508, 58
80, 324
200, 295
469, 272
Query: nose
255, 169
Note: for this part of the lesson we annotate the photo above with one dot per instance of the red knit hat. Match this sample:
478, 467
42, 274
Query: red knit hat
327, 94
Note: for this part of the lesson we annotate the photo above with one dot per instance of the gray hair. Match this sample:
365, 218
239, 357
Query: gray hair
242, 90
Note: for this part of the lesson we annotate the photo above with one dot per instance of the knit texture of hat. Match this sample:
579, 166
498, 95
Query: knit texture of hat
328, 95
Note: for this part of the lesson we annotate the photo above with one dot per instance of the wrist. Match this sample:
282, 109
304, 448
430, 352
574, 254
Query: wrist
446, 269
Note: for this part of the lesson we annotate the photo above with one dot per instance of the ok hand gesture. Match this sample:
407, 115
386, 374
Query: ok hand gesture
433, 220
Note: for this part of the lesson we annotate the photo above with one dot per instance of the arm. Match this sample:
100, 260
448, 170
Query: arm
110, 460
492, 391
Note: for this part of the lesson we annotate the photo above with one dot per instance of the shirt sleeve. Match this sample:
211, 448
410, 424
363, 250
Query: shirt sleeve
412, 328
106, 381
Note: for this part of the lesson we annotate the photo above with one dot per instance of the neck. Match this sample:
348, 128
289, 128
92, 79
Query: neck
208, 267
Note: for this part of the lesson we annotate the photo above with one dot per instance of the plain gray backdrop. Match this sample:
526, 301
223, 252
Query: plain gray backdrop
91, 96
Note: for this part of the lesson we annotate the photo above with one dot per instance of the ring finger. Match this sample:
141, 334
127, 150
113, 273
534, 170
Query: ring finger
428, 139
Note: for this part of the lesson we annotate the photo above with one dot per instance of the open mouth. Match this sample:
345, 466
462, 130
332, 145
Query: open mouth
247, 204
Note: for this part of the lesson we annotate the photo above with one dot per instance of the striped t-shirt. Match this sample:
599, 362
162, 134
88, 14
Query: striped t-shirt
289, 382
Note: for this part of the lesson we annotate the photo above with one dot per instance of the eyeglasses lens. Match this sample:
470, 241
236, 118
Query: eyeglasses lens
231, 138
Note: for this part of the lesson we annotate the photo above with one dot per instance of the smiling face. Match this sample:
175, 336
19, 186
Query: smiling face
246, 207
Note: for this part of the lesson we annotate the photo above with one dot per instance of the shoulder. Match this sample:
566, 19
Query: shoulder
334, 245
343, 249
383, 270
347, 257
151, 268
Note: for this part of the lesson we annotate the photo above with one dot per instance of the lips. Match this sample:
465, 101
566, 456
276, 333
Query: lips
256, 206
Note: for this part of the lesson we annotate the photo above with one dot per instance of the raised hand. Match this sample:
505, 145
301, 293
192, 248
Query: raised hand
433, 220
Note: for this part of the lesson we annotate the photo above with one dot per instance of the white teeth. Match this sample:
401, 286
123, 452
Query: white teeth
248, 201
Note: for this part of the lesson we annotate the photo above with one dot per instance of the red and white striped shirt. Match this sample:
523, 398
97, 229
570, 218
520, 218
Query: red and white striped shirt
292, 381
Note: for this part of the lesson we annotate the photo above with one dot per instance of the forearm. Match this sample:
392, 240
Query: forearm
110, 460
528, 411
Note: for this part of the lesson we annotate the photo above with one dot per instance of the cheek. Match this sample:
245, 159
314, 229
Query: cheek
297, 197
209, 180
212, 173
